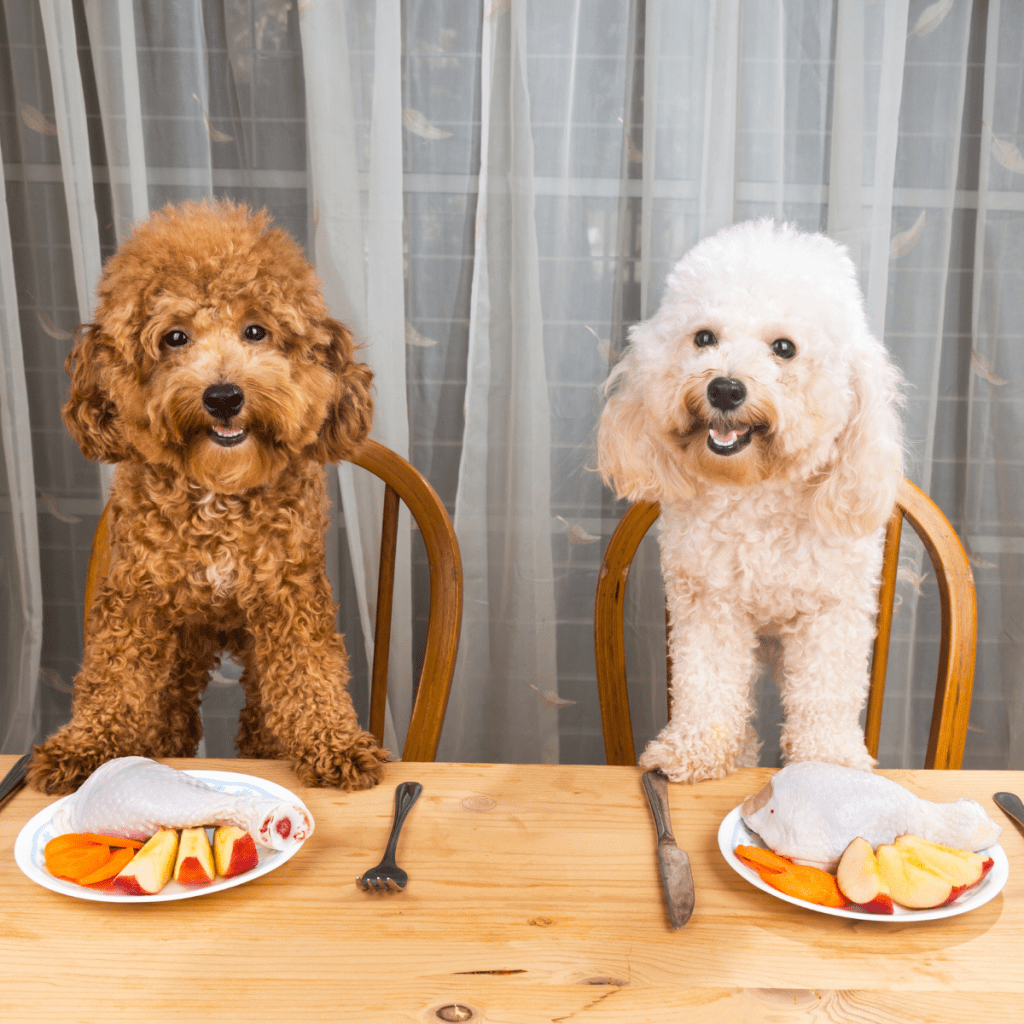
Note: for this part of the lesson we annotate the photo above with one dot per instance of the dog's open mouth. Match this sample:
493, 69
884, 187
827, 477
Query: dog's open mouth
729, 442
730, 439
228, 437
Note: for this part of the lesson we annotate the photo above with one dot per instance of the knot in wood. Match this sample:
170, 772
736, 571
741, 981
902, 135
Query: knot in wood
454, 1012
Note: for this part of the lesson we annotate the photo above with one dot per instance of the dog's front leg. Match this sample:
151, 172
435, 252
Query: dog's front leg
824, 686
298, 662
119, 702
713, 661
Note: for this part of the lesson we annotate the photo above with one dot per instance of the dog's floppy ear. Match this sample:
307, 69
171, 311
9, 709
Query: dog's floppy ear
351, 410
858, 492
89, 414
632, 456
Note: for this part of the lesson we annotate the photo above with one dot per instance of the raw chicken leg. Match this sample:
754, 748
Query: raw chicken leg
135, 797
810, 812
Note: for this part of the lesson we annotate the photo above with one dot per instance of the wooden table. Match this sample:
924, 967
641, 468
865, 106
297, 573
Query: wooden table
534, 896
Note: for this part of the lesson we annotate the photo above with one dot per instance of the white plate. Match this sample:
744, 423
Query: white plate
733, 832
31, 841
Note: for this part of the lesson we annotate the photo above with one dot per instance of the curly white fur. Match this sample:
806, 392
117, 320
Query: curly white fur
774, 493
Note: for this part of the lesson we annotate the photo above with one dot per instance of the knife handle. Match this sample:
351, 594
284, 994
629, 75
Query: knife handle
656, 786
1011, 804
16, 776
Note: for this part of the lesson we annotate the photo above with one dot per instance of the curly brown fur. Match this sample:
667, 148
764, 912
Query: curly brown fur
219, 504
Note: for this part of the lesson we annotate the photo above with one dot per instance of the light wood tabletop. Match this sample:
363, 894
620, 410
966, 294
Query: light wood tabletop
534, 895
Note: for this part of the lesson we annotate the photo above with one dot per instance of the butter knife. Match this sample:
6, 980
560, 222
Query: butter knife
16, 776
675, 864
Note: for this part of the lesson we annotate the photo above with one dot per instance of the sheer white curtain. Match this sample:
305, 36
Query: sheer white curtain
492, 193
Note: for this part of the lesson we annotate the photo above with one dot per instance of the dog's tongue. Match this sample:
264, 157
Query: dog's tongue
730, 438
227, 431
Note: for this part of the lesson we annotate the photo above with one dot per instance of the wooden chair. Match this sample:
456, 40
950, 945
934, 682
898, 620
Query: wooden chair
957, 644
402, 482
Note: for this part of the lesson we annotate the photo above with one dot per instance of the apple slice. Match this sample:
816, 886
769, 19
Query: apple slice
151, 868
194, 864
912, 883
961, 867
860, 879
234, 850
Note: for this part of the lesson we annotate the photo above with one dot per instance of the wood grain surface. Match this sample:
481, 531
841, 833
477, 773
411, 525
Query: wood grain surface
534, 896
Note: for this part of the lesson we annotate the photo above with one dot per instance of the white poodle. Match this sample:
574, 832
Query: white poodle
756, 406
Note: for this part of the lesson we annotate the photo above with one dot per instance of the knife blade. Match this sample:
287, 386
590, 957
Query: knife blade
675, 864
16, 776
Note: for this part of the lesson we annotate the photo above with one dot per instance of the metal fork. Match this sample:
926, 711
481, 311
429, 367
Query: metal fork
387, 876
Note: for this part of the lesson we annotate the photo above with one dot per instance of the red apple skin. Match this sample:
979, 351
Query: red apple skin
858, 875
955, 893
243, 855
194, 864
881, 904
925, 891
962, 868
128, 885
154, 863
191, 872
958, 891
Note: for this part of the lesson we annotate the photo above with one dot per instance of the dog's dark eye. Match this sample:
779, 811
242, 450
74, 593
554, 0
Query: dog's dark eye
175, 339
254, 333
704, 339
784, 348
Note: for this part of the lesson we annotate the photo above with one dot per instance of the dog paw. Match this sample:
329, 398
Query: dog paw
58, 772
681, 764
357, 764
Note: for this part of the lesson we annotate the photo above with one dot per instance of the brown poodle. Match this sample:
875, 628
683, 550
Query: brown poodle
215, 377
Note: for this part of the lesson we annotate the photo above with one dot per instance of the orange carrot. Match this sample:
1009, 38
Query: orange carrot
754, 855
78, 861
809, 883
114, 864
68, 841
799, 880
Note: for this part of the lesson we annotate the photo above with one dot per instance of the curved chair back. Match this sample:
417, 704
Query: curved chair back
402, 483
957, 644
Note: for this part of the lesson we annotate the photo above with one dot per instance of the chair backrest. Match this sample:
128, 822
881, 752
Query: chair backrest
402, 482
956, 646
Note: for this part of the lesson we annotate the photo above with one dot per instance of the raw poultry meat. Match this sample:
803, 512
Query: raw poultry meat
135, 797
810, 812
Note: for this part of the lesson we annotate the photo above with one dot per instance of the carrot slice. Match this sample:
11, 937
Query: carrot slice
800, 880
117, 860
754, 855
78, 861
68, 841
135, 844
810, 884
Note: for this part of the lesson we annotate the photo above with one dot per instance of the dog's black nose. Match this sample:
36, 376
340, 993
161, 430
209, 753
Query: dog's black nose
726, 393
223, 400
